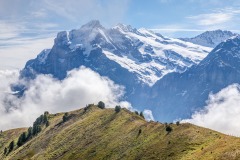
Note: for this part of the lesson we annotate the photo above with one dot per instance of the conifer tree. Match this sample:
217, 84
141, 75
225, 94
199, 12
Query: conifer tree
46, 112
24, 137
168, 128
141, 114
36, 129
65, 117
11, 147
101, 105
29, 135
45, 118
117, 109
20, 142
5, 151
47, 123
41, 119
177, 123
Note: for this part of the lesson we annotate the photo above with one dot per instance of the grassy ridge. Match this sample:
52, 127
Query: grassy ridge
7, 136
103, 134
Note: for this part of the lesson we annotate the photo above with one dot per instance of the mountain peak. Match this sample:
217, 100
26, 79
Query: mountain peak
211, 38
62, 39
230, 44
225, 54
217, 32
235, 37
125, 28
92, 24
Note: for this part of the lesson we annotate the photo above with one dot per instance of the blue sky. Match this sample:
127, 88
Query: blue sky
28, 26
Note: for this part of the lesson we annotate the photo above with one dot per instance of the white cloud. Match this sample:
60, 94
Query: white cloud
224, 18
7, 77
217, 17
81, 87
212, 18
9, 30
222, 112
148, 115
125, 104
16, 52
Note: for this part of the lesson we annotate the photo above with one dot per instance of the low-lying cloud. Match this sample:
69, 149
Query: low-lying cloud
82, 86
148, 115
222, 112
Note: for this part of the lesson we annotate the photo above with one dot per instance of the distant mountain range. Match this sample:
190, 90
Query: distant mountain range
170, 76
210, 38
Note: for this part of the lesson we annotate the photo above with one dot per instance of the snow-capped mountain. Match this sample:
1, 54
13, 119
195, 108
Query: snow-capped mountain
119, 51
180, 94
169, 76
210, 38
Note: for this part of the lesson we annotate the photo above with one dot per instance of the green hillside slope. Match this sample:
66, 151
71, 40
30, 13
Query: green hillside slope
95, 133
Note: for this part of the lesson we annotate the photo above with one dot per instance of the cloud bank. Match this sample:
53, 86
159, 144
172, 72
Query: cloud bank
82, 86
222, 112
